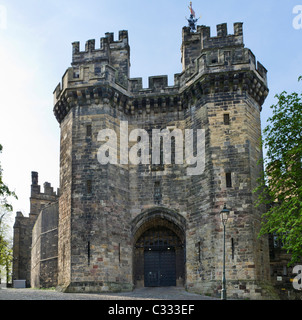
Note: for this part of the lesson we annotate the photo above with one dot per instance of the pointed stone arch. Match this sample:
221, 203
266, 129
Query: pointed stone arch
159, 235
175, 220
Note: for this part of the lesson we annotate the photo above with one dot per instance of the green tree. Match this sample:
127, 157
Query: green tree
5, 253
5, 208
281, 186
4, 191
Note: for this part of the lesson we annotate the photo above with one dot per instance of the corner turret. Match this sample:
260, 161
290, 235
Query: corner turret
196, 43
38, 199
113, 53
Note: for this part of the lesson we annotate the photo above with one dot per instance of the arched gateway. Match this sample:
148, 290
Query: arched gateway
159, 248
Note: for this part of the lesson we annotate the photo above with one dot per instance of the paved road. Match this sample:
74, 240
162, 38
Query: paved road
169, 293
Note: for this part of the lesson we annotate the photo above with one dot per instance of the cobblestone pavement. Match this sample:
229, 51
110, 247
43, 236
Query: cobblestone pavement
169, 293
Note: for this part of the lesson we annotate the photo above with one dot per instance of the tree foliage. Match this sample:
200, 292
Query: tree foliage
5, 192
6, 251
281, 188
5, 208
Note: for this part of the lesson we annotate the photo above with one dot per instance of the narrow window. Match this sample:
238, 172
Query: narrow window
64, 255
157, 192
89, 186
228, 178
226, 119
199, 252
233, 248
88, 130
119, 253
172, 149
88, 252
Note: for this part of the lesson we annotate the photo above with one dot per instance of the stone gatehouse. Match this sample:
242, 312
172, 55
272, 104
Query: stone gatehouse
123, 224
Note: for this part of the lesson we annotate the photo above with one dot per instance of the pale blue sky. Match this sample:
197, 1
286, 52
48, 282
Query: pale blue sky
35, 51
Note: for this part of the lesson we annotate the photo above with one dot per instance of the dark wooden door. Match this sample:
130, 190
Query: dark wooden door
159, 268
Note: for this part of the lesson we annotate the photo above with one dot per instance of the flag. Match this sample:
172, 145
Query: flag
191, 10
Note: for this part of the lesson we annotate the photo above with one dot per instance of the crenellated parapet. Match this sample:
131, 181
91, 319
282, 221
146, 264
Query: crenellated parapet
211, 64
103, 53
193, 44
225, 52
39, 199
88, 63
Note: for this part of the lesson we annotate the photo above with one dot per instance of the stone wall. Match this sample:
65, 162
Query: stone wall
23, 228
229, 151
64, 232
21, 247
100, 249
44, 249
220, 90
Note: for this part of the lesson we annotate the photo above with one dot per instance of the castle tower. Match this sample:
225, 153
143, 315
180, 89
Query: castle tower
157, 224
23, 228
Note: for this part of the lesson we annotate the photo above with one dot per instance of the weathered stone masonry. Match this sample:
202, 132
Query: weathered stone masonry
124, 226
28, 235
101, 205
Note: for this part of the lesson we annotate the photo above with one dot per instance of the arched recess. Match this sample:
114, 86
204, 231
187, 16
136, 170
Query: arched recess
159, 248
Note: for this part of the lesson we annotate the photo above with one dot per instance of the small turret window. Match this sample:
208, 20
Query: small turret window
88, 130
157, 192
228, 178
89, 186
226, 119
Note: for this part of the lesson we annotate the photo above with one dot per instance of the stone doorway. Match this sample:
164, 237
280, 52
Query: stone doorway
159, 255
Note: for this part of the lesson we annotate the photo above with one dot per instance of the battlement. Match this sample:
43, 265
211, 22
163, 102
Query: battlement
202, 52
194, 43
104, 73
35, 187
39, 199
102, 54
106, 41
156, 84
222, 39
113, 53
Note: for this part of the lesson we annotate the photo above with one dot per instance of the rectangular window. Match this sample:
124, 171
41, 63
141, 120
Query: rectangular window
157, 192
228, 178
88, 130
88, 252
89, 186
226, 119
199, 251
233, 248
119, 253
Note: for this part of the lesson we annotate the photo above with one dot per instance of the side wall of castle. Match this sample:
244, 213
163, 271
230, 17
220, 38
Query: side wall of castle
21, 247
44, 249
23, 228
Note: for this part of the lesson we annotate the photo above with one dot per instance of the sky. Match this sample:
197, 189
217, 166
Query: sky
35, 51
